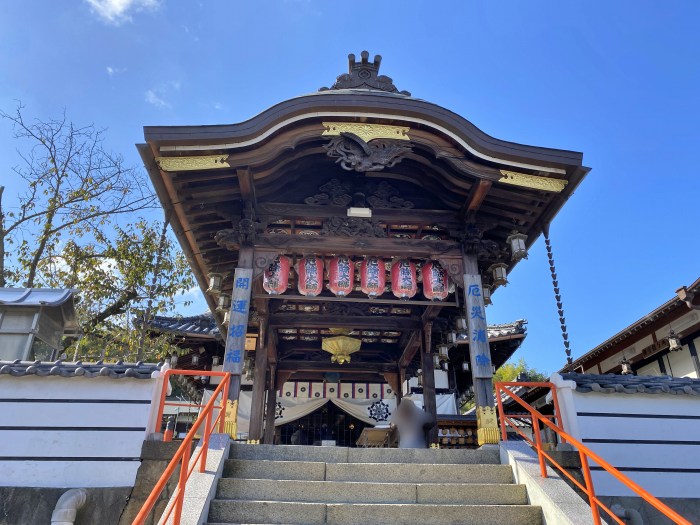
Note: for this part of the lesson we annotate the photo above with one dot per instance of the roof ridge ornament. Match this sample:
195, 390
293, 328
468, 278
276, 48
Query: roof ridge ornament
365, 75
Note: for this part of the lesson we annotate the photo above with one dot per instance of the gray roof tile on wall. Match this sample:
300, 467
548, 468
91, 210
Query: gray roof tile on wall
116, 370
630, 384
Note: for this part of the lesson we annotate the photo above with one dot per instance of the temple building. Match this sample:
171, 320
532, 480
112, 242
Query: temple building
355, 236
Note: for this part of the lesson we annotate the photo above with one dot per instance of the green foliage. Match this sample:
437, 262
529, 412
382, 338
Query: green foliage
79, 224
510, 371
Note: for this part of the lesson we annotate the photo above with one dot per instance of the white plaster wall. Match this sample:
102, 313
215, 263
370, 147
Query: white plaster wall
653, 438
74, 432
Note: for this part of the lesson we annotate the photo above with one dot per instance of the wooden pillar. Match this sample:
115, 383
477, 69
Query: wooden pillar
429, 401
479, 352
271, 410
258, 399
238, 321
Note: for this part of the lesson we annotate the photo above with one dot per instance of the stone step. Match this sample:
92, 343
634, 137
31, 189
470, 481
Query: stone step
368, 472
483, 455
362, 492
258, 512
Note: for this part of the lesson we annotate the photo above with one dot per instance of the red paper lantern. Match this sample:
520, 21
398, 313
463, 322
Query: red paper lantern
372, 276
276, 275
341, 275
435, 285
310, 273
403, 279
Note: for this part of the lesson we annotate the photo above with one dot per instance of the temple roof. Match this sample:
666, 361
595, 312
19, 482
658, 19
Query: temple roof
35, 296
430, 183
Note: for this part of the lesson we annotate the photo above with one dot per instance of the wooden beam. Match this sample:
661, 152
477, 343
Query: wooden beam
327, 366
271, 408
258, 398
245, 182
449, 219
409, 350
476, 197
351, 299
357, 322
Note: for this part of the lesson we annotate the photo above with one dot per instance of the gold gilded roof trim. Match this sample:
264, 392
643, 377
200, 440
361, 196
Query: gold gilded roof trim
367, 132
533, 181
201, 162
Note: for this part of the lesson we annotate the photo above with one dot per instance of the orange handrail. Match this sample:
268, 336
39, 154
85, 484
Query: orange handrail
584, 452
182, 455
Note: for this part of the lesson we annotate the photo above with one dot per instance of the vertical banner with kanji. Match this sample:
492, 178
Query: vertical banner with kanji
479, 350
238, 322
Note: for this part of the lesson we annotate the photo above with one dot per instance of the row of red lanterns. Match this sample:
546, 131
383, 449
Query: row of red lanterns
341, 277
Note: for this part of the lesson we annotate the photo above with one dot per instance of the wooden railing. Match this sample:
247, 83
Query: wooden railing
182, 456
586, 455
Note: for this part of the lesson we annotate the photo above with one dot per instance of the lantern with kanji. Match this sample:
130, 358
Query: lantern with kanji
276, 275
372, 277
403, 279
435, 285
341, 275
310, 275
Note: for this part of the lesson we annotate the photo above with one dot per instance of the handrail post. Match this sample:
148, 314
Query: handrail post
501, 413
538, 442
224, 404
161, 404
585, 469
182, 481
205, 442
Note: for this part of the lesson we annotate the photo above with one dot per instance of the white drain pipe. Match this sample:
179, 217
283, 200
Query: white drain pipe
67, 507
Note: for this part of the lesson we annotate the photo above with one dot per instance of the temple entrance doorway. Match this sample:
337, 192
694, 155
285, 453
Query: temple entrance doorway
327, 423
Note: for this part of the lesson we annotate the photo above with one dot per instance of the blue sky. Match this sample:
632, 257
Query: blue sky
615, 80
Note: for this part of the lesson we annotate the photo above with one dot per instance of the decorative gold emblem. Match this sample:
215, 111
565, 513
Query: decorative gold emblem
203, 162
367, 132
533, 181
487, 431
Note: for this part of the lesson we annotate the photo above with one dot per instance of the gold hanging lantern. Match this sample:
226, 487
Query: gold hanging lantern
340, 348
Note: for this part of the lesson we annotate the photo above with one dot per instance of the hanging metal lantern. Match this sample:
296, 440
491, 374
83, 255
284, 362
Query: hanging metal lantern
224, 303
372, 277
435, 284
444, 352
499, 274
465, 366
227, 318
486, 293
341, 275
310, 274
276, 275
518, 249
436, 362
215, 282
404, 284
674, 342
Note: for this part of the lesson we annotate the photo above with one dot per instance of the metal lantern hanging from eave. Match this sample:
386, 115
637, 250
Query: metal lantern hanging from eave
341, 275
215, 282
276, 275
435, 285
404, 284
486, 293
499, 274
310, 275
518, 249
372, 277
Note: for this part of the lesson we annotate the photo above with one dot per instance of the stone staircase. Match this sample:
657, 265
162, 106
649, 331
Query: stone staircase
344, 486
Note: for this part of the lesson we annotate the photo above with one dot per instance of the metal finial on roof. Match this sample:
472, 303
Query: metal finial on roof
557, 296
365, 75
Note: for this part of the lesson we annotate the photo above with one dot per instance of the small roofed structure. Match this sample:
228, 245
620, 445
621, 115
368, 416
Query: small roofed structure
33, 322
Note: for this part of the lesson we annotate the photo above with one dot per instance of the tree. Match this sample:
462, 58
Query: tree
511, 371
80, 224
